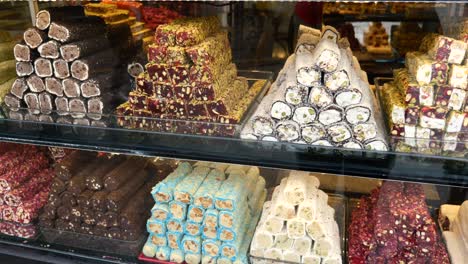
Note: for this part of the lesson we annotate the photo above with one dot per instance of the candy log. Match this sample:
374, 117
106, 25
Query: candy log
34, 82
237, 231
149, 249
211, 218
122, 173
117, 198
45, 17
23, 68
77, 183
32, 101
84, 199
232, 192
229, 219
205, 195
155, 226
45, 103
186, 189
15, 177
162, 192
23, 53
71, 30
192, 244
29, 188
61, 103
83, 48
49, 49
72, 164
77, 108
28, 211
82, 69
175, 225
211, 247
71, 88
99, 200
413, 93
61, 69
53, 86
94, 181
163, 253
174, 239
327, 54
177, 256
456, 121
34, 37
178, 210
135, 212
43, 67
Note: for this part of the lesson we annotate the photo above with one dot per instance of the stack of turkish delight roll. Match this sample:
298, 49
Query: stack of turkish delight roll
454, 221
205, 213
25, 179
100, 196
7, 64
189, 76
67, 69
297, 225
426, 105
321, 97
393, 225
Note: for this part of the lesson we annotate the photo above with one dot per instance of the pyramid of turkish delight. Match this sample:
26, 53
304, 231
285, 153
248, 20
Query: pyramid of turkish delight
321, 97
376, 39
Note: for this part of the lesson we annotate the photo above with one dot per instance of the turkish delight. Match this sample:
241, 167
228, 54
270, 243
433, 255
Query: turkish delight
425, 70
442, 48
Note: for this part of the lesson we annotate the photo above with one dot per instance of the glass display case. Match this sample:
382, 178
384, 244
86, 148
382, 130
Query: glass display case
234, 132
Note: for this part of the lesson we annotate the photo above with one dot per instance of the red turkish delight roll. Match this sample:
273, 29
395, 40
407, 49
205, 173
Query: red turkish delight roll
18, 230
29, 210
30, 188
14, 177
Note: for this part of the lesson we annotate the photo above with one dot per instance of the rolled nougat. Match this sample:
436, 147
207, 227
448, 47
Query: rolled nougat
442, 48
330, 115
307, 73
273, 254
340, 78
304, 115
84, 68
211, 218
32, 101
43, 67
174, 239
320, 97
192, 244
23, 53
23, 68
273, 225
195, 213
82, 48
357, 114
61, 69
232, 193
155, 226
347, 97
149, 249
49, 49
160, 212
35, 83
339, 132
34, 37
229, 219
159, 240
211, 247
306, 43
296, 228
163, 253
162, 192
205, 195
178, 210
302, 245
186, 189
257, 193
291, 256
288, 131
192, 228
280, 110
295, 94
425, 70
326, 55
175, 225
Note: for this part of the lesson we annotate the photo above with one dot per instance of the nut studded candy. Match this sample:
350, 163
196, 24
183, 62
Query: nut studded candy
179, 74
28, 211
442, 48
413, 93
15, 177
458, 76
145, 84
18, 230
158, 73
166, 34
425, 70
433, 117
447, 96
157, 53
29, 188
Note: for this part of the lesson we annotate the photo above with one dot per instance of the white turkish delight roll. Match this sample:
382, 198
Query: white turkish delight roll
315, 229
192, 228
274, 254
209, 260
330, 115
282, 241
365, 131
320, 97
376, 144
307, 42
283, 210
193, 258
186, 189
326, 55
259, 189
306, 73
155, 226
175, 225
332, 260
288, 131
357, 114
304, 115
295, 190
455, 121
340, 78
178, 210
273, 225
295, 94
174, 240
303, 245
353, 144
348, 97
295, 228
158, 239
149, 249
311, 259
211, 218
339, 132
177, 256
313, 132
191, 244
160, 212
163, 253
323, 247
211, 247
458, 76
307, 210
195, 213
322, 142
280, 110
291, 256
262, 240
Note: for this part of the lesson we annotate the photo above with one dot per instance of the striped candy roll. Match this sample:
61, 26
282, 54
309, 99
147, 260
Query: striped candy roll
191, 244
205, 195
162, 192
154, 226
175, 225
149, 249
192, 228
186, 189
211, 247
161, 212
174, 239
163, 253
178, 210
177, 256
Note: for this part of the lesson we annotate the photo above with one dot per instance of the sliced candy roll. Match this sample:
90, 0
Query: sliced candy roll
304, 115
178, 210
458, 76
186, 189
307, 42
303, 245
307, 210
296, 228
193, 258
191, 244
426, 70
231, 250
282, 241
311, 259
280, 110
295, 94
447, 96
209, 259
273, 225
163, 253
162, 192
229, 219
259, 253
237, 231
195, 213
313, 132
340, 78
365, 131
291, 256
320, 97
192, 228
262, 240
160, 212
175, 225
211, 247
433, 117
353, 144
288, 131
455, 121
295, 190
323, 247
262, 126
376, 144
174, 239
158, 239
209, 232
330, 115
155, 226
327, 55
339, 132
274, 254
442, 48
283, 210
307, 75
232, 192
177, 256
332, 260
315, 229
211, 218
357, 114
205, 195
414, 93
347, 97
149, 249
